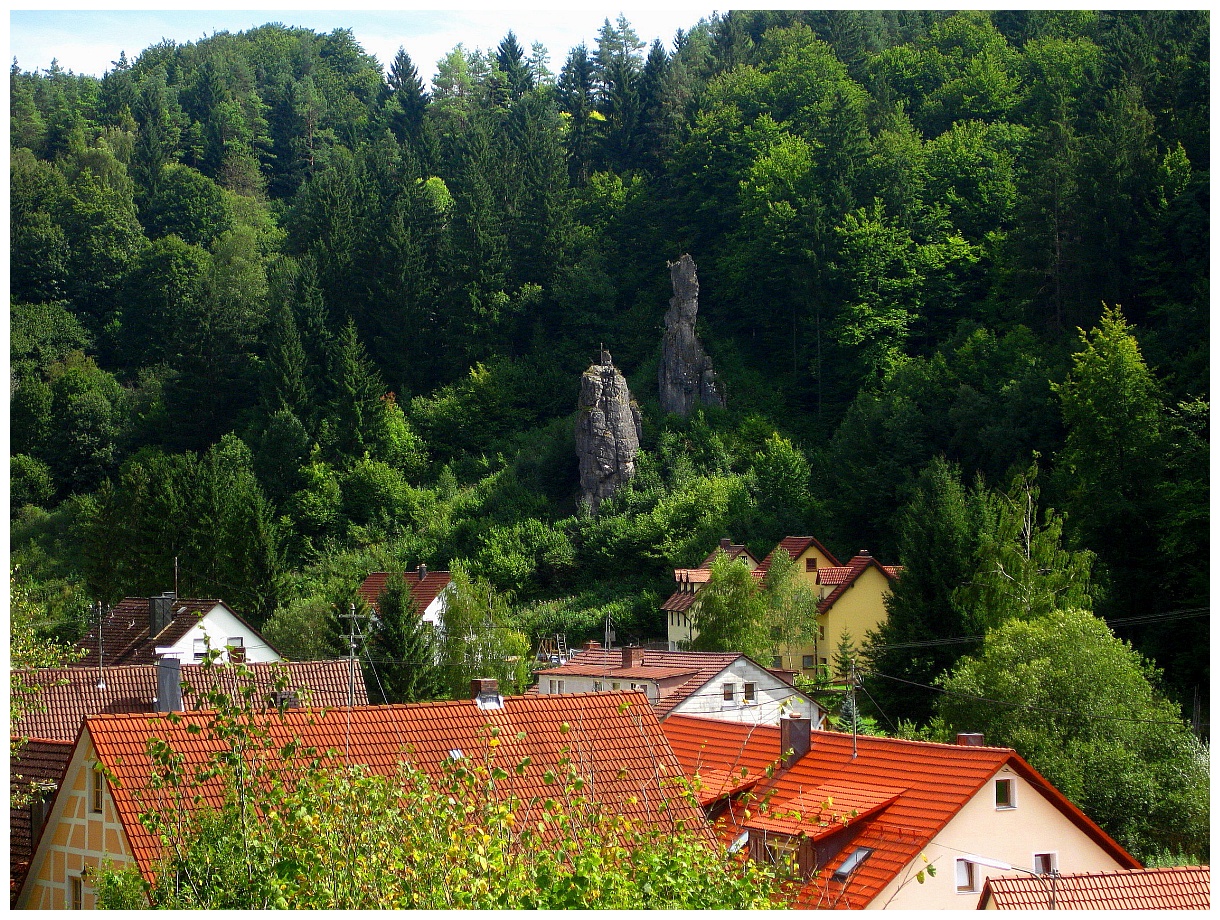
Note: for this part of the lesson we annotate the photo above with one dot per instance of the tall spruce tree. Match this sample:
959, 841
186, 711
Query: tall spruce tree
403, 650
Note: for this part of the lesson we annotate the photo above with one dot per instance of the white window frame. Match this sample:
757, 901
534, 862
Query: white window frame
1053, 858
972, 877
597, 686
200, 648
1012, 793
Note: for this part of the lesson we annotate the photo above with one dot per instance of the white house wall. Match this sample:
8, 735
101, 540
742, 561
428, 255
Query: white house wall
218, 625
1010, 835
773, 698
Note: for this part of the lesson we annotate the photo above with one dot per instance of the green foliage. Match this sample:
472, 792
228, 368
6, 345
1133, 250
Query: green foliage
479, 637
1082, 707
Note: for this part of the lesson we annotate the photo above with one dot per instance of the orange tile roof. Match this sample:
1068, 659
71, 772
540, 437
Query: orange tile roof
619, 749
693, 576
795, 546
42, 762
1170, 888
932, 782
125, 630
843, 577
67, 695
423, 590
701, 666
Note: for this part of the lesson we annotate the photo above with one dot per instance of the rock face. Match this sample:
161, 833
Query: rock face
607, 432
685, 377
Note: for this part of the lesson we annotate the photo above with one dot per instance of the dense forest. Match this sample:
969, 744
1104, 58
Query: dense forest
287, 316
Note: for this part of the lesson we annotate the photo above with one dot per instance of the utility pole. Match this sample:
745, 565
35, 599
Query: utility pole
855, 714
101, 682
350, 616
175, 578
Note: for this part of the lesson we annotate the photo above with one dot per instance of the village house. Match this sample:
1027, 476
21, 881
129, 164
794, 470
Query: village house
863, 822
624, 763
850, 599
143, 630
719, 685
1169, 888
65, 696
428, 590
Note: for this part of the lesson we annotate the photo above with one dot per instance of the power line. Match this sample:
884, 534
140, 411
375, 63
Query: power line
1025, 706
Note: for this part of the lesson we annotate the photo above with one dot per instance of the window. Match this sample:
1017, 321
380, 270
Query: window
597, 685
730, 692
748, 694
97, 783
201, 648
615, 685
782, 854
966, 875
237, 648
849, 865
1004, 797
821, 632
811, 564
806, 661
78, 892
777, 661
1046, 863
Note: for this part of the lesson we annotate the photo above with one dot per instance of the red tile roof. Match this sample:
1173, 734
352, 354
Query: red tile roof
795, 546
693, 576
679, 601
423, 591
67, 695
932, 783
1170, 888
702, 667
734, 551
39, 762
125, 630
843, 577
619, 749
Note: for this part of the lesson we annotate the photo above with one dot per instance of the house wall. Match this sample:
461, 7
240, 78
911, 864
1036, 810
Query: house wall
858, 609
74, 839
1011, 835
679, 630
218, 626
581, 684
773, 698
435, 612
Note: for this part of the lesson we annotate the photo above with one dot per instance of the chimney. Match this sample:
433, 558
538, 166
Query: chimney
486, 693
591, 645
39, 807
160, 613
725, 543
633, 657
169, 684
795, 736
422, 571
865, 553
970, 739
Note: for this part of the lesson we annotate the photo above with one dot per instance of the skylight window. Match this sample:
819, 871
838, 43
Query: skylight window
853, 861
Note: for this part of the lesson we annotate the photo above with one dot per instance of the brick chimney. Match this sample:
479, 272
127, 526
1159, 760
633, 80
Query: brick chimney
795, 736
970, 739
169, 684
725, 543
633, 657
486, 693
160, 613
591, 646
422, 571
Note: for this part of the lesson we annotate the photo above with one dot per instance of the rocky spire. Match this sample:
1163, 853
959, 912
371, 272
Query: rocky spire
685, 375
607, 431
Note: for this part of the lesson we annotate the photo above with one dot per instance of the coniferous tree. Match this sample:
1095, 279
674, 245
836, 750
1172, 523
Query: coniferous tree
403, 649
516, 70
576, 93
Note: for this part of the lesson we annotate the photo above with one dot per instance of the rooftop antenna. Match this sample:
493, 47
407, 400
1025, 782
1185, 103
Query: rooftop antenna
175, 578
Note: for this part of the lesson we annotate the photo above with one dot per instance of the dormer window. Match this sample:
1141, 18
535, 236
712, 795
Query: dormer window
811, 564
1005, 794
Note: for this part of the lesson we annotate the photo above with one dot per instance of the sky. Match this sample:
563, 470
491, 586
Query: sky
88, 41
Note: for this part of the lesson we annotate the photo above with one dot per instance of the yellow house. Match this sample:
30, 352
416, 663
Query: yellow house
851, 599
82, 831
